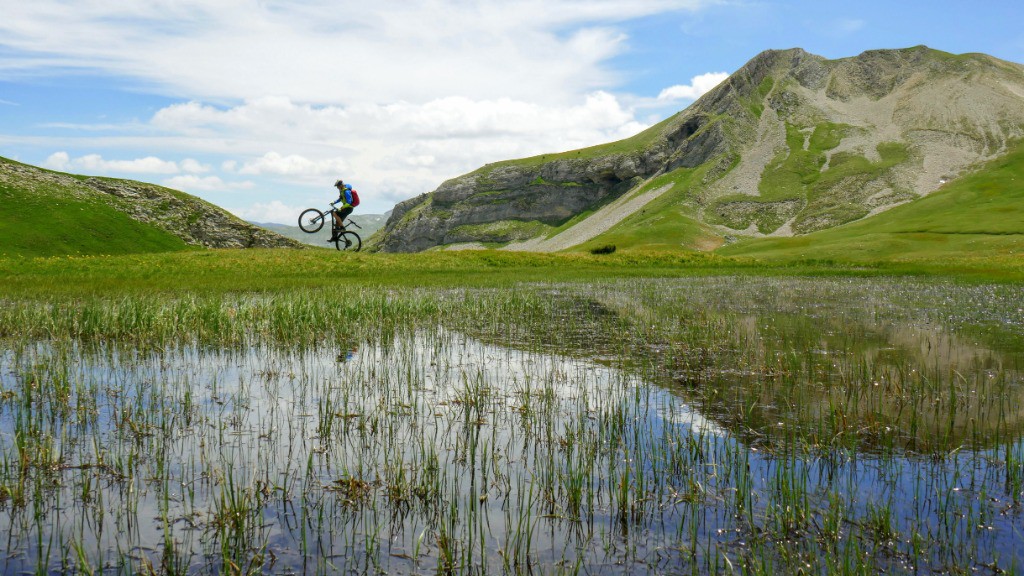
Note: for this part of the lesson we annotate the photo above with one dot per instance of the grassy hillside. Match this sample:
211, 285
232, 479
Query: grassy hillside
48, 218
46, 213
979, 214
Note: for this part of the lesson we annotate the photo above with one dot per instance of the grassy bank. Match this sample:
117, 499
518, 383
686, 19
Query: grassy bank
221, 271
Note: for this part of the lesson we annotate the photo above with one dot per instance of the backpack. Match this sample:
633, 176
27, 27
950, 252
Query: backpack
355, 198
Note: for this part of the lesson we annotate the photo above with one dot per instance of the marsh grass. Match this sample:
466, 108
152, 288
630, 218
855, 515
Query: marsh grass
702, 425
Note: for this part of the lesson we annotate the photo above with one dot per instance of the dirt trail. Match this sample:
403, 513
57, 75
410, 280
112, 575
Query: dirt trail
598, 223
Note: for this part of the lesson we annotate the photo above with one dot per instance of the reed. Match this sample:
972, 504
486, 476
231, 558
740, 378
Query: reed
641, 425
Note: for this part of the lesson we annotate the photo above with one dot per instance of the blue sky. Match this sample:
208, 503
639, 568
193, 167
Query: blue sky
260, 105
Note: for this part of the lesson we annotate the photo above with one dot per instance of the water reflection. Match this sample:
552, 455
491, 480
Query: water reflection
820, 361
295, 461
649, 428
882, 387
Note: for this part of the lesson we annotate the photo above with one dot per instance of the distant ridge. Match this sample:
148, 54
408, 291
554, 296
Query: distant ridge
369, 224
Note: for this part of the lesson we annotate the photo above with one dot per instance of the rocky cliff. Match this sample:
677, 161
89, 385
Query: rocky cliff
789, 144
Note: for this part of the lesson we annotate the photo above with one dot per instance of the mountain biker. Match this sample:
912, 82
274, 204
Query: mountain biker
347, 202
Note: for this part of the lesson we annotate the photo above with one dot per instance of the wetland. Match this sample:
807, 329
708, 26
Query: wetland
705, 425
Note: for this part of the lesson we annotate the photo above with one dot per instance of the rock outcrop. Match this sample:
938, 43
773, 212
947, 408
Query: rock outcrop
196, 222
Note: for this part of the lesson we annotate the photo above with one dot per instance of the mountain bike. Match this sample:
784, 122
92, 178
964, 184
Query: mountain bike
312, 220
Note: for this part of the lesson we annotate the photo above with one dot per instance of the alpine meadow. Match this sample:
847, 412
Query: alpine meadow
780, 331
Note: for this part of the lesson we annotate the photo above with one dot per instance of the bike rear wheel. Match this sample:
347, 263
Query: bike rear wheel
348, 240
311, 220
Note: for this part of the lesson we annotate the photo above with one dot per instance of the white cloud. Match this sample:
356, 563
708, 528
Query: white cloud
698, 86
345, 127
274, 211
193, 183
446, 121
194, 166
292, 165
420, 161
58, 161
331, 51
94, 163
404, 147
389, 151
395, 97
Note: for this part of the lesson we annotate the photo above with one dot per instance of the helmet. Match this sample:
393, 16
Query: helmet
339, 184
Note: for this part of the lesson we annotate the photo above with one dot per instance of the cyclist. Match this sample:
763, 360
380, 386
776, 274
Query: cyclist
348, 200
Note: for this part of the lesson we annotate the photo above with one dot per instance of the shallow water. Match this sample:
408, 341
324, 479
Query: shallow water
747, 430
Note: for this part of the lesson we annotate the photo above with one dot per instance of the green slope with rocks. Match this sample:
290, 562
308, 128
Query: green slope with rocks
980, 214
46, 213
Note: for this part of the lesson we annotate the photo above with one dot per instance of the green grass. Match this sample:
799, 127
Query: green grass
266, 271
974, 223
792, 170
52, 222
755, 103
47, 213
973, 226
501, 231
633, 412
655, 230
979, 216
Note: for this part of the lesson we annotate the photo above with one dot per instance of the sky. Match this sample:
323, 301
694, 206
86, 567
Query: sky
259, 106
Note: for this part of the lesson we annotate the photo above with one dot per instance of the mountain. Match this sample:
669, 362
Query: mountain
368, 225
44, 213
790, 144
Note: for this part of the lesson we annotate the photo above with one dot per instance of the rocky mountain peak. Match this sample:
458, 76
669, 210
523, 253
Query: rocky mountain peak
790, 143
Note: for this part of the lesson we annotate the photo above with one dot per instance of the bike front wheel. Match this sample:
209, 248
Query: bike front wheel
311, 220
348, 240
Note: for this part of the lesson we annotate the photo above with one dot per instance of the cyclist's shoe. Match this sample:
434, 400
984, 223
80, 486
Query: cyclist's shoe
334, 238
